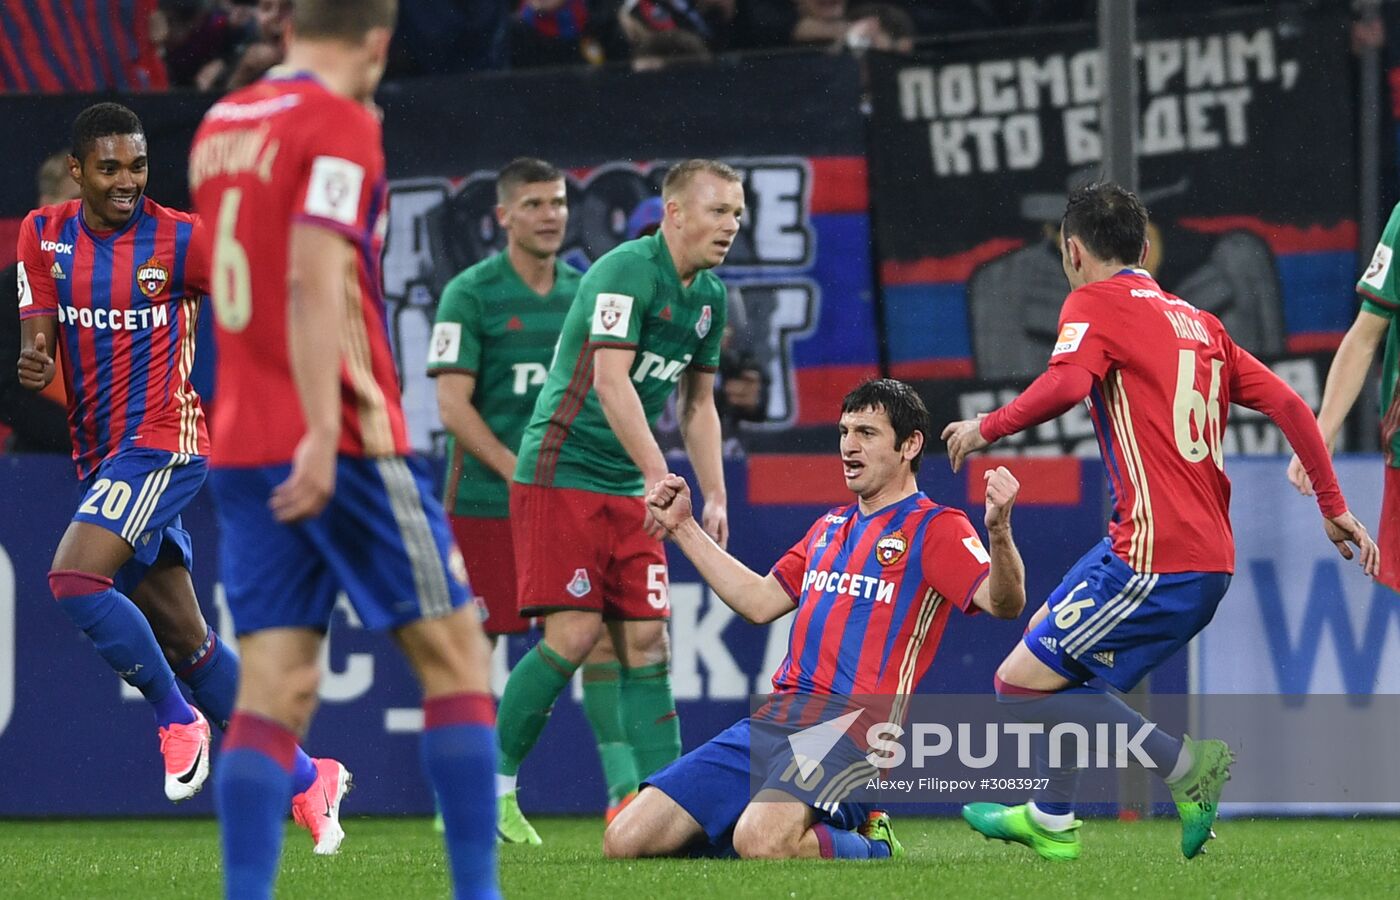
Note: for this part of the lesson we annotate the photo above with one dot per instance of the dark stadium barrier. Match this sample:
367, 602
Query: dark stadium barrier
76, 743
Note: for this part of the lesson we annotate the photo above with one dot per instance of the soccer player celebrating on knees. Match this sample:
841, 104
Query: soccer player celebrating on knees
315, 490
1160, 376
116, 279
497, 323
893, 541
1380, 302
648, 315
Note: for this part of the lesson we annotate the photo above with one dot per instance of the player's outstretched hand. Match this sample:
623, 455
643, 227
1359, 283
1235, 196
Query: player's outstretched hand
668, 502
714, 518
1002, 488
36, 366
1345, 529
963, 438
308, 488
1298, 476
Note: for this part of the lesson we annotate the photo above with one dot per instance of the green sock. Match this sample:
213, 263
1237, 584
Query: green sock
650, 713
534, 684
602, 703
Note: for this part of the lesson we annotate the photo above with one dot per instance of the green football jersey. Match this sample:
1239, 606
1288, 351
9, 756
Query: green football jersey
631, 298
492, 325
1380, 294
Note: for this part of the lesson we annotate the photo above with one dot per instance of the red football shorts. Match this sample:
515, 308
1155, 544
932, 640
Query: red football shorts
587, 551
1388, 536
490, 558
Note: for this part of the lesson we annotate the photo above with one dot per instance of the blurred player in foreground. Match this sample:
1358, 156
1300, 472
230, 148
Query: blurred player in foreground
1160, 376
117, 279
1380, 303
315, 490
649, 315
893, 540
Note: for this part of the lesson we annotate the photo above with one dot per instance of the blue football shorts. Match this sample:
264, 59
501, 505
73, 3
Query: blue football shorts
1110, 622
714, 782
382, 539
138, 494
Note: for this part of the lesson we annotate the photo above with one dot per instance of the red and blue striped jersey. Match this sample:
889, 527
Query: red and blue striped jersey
126, 302
873, 594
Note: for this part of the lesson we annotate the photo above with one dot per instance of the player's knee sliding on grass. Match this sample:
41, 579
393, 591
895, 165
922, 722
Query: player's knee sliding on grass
1142, 359
898, 541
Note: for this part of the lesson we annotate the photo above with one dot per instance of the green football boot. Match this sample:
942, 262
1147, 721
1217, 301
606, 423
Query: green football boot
1015, 825
878, 828
1197, 793
511, 825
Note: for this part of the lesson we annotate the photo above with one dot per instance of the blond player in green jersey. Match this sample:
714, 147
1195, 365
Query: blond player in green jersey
648, 317
497, 324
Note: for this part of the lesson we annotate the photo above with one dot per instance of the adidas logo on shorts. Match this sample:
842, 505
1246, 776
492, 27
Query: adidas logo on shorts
1105, 657
1048, 643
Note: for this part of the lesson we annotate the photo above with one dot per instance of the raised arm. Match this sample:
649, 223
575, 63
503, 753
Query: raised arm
1003, 594
1051, 395
757, 598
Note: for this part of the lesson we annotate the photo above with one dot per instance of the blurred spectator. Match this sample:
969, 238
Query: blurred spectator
555, 33
201, 40
267, 49
772, 23
440, 37
38, 421
655, 50
885, 27
710, 21
79, 53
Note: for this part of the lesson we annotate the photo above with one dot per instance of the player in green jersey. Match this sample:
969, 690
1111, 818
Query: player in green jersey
496, 326
497, 323
649, 316
1379, 287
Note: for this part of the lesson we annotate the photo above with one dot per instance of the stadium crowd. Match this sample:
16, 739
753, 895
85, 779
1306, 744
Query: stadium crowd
220, 45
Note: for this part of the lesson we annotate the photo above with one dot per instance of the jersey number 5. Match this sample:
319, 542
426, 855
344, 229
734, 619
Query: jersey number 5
233, 279
1196, 419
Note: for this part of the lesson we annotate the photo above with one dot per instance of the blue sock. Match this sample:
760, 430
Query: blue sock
212, 675
836, 843
459, 757
1088, 706
253, 788
123, 638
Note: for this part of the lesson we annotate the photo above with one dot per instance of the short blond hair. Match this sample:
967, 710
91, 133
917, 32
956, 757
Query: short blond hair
680, 175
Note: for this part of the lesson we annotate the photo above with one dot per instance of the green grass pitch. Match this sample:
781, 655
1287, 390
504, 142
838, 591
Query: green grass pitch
402, 859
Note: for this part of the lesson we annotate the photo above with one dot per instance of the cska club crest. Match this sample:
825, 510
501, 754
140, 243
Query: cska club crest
890, 548
152, 277
702, 327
